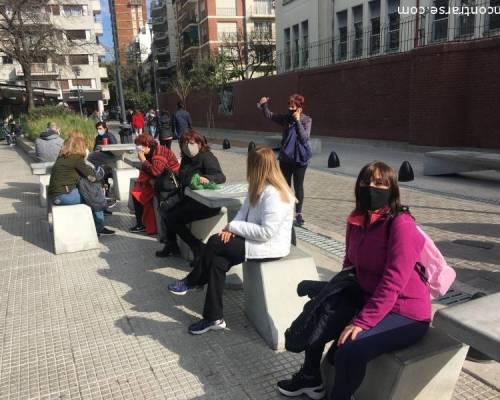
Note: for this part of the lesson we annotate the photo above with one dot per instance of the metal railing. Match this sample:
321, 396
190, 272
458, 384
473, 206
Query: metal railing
263, 8
225, 12
264, 36
408, 34
227, 36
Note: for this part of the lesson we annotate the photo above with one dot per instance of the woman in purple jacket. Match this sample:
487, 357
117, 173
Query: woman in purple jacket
295, 151
383, 244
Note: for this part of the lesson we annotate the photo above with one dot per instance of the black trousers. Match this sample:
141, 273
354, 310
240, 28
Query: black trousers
188, 210
138, 210
297, 172
217, 259
167, 143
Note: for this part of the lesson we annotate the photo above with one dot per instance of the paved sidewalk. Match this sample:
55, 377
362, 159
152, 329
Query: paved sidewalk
100, 325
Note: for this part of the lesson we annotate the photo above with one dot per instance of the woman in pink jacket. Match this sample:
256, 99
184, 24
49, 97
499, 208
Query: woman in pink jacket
383, 245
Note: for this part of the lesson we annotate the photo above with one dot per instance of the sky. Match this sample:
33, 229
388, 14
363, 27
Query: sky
107, 38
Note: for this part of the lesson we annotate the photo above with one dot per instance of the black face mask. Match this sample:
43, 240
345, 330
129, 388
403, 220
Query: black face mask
372, 199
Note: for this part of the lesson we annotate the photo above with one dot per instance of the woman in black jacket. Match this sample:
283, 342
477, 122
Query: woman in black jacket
196, 159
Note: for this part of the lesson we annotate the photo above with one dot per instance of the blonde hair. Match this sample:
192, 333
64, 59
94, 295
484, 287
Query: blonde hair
262, 169
74, 145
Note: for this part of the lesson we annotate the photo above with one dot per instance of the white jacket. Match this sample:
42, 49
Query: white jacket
267, 227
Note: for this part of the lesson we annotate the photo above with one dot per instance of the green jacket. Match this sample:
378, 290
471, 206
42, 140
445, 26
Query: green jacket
66, 172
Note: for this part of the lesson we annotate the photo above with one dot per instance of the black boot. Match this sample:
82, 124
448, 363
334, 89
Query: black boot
170, 249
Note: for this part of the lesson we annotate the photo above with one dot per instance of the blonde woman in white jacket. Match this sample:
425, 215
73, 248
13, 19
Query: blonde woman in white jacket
262, 229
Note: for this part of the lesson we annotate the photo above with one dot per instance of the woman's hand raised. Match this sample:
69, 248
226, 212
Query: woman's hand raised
264, 100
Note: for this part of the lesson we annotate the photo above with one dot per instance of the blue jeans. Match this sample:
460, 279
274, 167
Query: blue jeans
394, 332
73, 197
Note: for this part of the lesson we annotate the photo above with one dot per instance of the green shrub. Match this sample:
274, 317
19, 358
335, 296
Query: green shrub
35, 122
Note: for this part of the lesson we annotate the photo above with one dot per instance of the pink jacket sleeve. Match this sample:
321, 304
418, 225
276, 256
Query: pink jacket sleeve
404, 247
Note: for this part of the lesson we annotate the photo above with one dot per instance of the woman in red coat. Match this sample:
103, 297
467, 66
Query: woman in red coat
138, 122
155, 160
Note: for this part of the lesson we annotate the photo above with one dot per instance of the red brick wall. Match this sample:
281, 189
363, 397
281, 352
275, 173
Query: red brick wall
443, 95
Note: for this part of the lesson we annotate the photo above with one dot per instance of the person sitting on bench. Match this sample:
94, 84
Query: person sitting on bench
262, 229
392, 308
69, 167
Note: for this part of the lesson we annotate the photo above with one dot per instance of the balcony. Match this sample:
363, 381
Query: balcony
263, 36
157, 5
40, 71
163, 51
164, 65
187, 20
190, 38
262, 9
99, 29
227, 36
96, 6
159, 20
159, 36
103, 73
225, 12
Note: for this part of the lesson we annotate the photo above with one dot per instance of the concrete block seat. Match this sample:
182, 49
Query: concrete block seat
203, 229
427, 370
121, 182
42, 169
73, 229
444, 162
271, 301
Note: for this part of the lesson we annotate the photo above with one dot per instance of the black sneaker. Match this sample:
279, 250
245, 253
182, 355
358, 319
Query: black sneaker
301, 384
299, 221
170, 249
138, 229
106, 231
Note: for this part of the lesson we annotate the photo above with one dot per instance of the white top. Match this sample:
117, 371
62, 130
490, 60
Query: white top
267, 226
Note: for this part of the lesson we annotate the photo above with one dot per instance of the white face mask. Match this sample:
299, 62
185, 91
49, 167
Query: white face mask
101, 132
191, 149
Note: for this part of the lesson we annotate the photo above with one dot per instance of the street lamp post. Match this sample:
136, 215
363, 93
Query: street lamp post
77, 71
153, 47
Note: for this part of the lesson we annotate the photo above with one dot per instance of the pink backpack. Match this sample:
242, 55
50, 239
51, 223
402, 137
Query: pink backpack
434, 269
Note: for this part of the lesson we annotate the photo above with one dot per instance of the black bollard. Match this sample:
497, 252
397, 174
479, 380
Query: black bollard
226, 144
333, 160
406, 172
251, 147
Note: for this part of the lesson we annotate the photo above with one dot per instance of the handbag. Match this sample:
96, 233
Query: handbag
168, 190
294, 149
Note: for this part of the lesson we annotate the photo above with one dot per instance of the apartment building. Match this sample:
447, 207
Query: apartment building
77, 71
203, 26
164, 52
315, 33
131, 16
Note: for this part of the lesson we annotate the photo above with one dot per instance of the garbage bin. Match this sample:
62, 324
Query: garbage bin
125, 133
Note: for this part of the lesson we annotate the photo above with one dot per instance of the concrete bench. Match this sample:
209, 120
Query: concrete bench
476, 323
73, 229
427, 370
455, 161
121, 182
274, 142
42, 169
203, 229
271, 301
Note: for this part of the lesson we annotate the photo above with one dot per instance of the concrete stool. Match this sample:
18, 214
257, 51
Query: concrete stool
44, 183
203, 229
121, 181
73, 229
271, 301
427, 370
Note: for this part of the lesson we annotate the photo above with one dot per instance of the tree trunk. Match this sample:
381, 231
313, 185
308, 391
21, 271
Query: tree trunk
30, 98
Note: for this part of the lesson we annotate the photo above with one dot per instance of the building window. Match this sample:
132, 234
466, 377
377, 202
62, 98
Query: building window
295, 46
287, 48
494, 19
226, 8
374, 27
63, 85
79, 59
392, 43
204, 34
305, 43
226, 31
76, 35
440, 23
81, 83
465, 23
263, 30
74, 10
203, 9
342, 41
54, 10
59, 59
7, 60
357, 40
